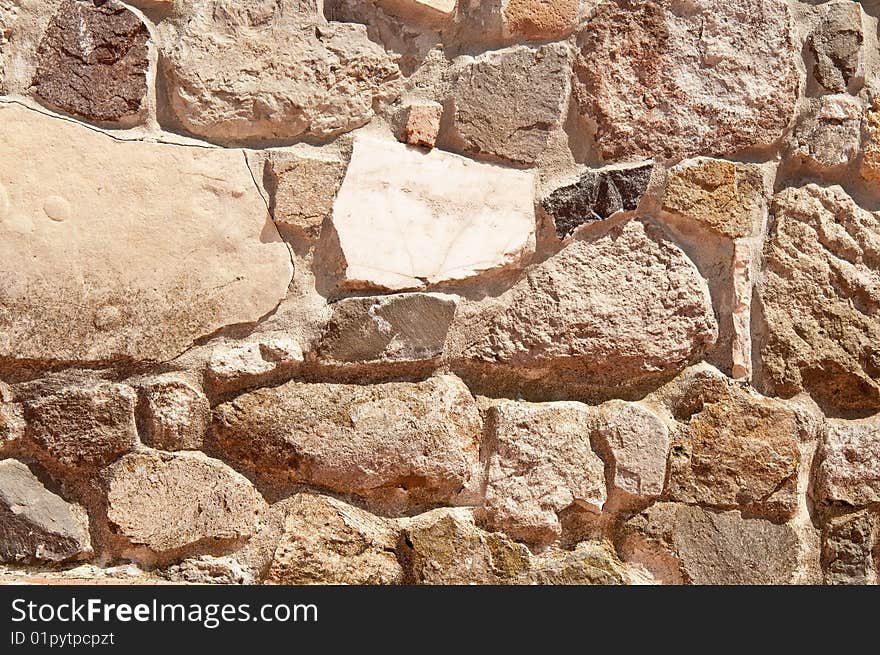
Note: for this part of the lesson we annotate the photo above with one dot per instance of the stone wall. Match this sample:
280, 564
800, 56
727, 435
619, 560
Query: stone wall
426, 291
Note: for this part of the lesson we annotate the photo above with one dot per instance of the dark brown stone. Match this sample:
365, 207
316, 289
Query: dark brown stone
836, 44
847, 549
92, 61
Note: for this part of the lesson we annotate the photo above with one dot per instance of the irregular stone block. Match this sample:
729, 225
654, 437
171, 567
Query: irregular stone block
850, 468
741, 314
596, 196
404, 327
84, 425
174, 413
590, 563
819, 297
238, 365
659, 81
305, 185
399, 444
8, 16
168, 502
869, 166
620, 308
35, 524
848, 549
540, 462
507, 102
725, 197
636, 444
277, 71
828, 133
541, 19
100, 267
422, 123
703, 547
326, 541
408, 219
836, 44
92, 62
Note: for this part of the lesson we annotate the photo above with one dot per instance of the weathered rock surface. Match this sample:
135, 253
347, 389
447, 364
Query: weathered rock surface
173, 413
236, 365
398, 444
93, 61
541, 19
507, 102
406, 219
326, 541
274, 71
850, 468
725, 197
596, 196
836, 45
848, 549
819, 298
402, 327
620, 308
82, 425
828, 133
870, 162
422, 123
686, 544
168, 502
636, 442
540, 462
93, 254
661, 79
35, 524
743, 273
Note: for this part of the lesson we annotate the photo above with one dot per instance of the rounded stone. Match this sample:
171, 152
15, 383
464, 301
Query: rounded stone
57, 208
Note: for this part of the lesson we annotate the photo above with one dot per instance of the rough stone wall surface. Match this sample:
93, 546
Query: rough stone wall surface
438, 292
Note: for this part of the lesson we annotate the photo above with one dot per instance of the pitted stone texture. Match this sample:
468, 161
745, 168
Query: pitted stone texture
276, 71
848, 547
708, 548
168, 502
850, 468
93, 61
596, 196
35, 524
541, 19
637, 442
403, 327
422, 123
870, 163
507, 102
83, 425
540, 463
409, 220
326, 541
836, 44
620, 309
735, 450
305, 185
828, 133
421, 12
725, 197
8, 15
101, 267
398, 444
820, 296
174, 414
666, 79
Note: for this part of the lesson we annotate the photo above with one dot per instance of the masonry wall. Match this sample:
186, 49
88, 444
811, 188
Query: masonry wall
426, 291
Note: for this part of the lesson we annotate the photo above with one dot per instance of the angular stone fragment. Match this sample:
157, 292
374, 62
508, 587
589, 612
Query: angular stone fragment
828, 133
93, 61
637, 442
398, 444
870, 161
836, 44
326, 541
819, 296
422, 123
237, 365
408, 219
304, 185
429, 12
618, 309
725, 197
590, 563
35, 524
596, 196
274, 72
698, 546
541, 19
168, 502
402, 327
101, 267
850, 468
507, 102
540, 462
174, 414
848, 549
741, 314
84, 425
736, 450
664, 80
